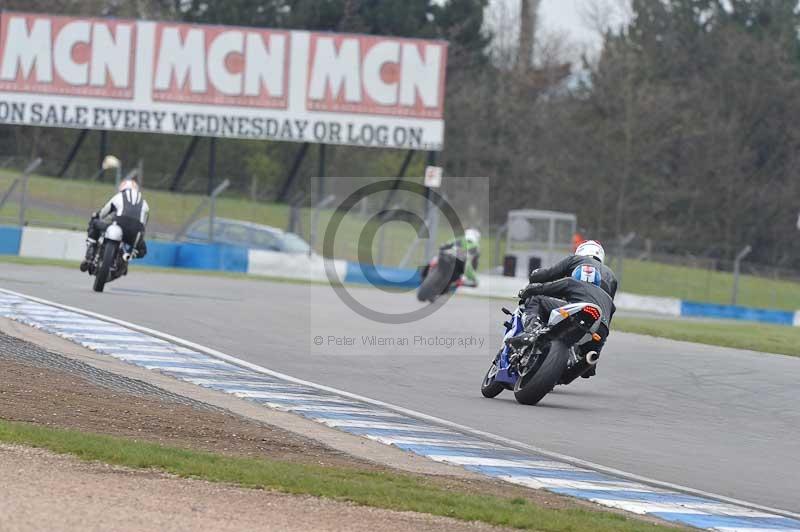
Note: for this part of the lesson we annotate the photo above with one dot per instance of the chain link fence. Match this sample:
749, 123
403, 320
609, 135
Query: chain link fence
645, 269
67, 202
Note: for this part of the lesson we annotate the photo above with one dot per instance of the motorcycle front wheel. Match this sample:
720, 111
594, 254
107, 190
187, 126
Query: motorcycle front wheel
533, 385
489, 387
107, 257
430, 289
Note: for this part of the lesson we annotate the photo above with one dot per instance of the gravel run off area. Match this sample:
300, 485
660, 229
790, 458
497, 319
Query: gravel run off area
45, 491
41, 490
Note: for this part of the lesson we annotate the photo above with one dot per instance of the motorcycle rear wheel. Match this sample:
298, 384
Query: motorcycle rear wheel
107, 257
533, 386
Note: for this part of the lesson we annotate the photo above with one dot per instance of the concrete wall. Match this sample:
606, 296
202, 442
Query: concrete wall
44, 243
276, 264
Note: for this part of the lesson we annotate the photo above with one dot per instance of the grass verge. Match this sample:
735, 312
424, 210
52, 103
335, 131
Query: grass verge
377, 489
740, 334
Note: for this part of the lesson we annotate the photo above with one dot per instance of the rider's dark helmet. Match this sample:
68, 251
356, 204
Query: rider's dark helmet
587, 273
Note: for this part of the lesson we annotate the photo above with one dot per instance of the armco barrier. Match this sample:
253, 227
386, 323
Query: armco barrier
496, 286
164, 254
381, 275
729, 312
70, 245
507, 287
9, 240
276, 264
664, 306
45, 243
212, 257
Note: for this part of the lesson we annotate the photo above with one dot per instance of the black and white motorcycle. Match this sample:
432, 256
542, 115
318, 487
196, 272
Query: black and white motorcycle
111, 256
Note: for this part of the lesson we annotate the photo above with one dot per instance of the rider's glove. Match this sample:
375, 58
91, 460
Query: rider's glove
530, 290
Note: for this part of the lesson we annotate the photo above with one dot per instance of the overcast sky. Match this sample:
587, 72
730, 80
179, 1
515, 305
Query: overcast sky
573, 18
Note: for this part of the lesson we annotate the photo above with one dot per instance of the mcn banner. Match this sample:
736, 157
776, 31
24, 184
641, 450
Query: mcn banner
221, 81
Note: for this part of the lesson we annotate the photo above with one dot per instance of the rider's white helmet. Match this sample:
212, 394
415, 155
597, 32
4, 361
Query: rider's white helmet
591, 248
473, 235
128, 184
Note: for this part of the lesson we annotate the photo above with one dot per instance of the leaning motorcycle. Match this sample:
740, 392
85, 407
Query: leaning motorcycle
111, 257
535, 364
443, 274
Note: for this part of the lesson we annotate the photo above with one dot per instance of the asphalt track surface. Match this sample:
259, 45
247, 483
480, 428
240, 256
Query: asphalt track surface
720, 420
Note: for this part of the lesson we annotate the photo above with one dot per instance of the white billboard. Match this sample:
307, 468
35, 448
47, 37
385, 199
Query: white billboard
221, 81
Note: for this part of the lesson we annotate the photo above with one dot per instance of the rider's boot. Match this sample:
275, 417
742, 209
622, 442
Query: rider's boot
521, 340
91, 249
532, 328
532, 323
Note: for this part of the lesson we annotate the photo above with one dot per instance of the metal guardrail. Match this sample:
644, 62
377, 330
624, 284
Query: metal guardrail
23, 182
211, 203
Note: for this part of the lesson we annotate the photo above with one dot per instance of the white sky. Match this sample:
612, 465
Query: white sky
577, 20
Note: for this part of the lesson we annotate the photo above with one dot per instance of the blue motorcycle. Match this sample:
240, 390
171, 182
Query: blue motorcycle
532, 364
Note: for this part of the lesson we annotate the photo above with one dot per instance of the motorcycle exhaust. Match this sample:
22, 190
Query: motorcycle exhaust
581, 367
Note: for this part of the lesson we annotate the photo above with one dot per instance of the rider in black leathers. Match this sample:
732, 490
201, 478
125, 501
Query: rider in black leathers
541, 299
589, 252
544, 298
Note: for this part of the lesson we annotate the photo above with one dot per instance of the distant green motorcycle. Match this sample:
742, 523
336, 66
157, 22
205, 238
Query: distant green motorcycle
454, 266
443, 274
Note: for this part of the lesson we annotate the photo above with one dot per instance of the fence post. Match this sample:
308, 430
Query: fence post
295, 204
207, 200
623, 243
140, 173
498, 237
381, 243
431, 220
23, 199
212, 213
736, 270
312, 240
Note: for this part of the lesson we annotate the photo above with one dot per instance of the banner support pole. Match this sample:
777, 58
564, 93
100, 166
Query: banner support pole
73, 152
187, 156
321, 173
212, 163
430, 217
103, 147
298, 160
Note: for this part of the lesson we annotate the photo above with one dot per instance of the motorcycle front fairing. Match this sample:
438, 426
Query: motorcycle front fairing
514, 326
